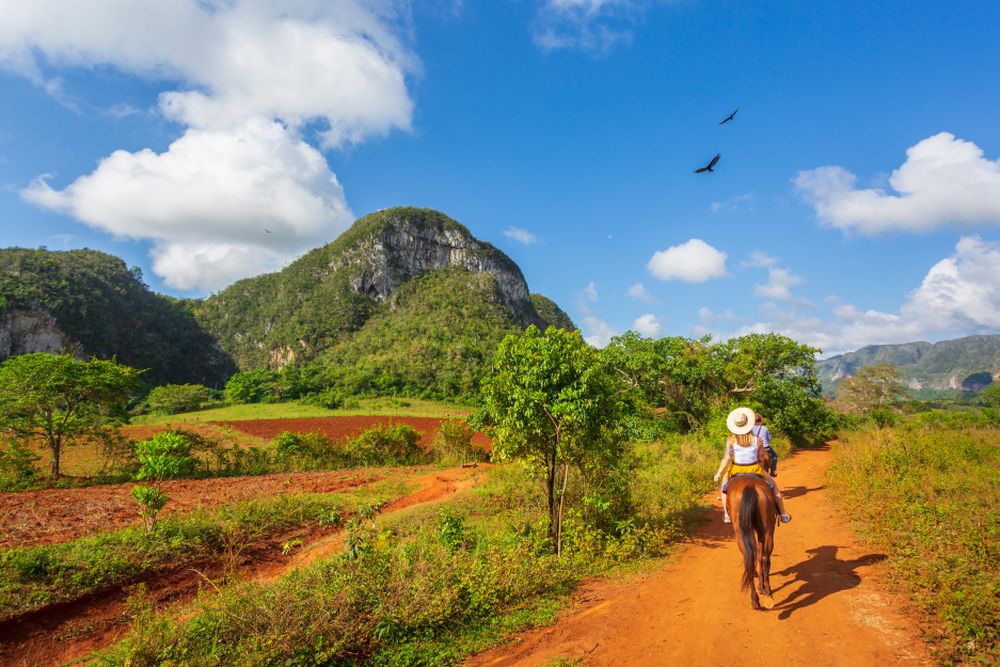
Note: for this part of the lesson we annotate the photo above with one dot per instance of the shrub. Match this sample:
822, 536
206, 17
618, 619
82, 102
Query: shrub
259, 386
307, 451
17, 465
164, 456
171, 399
386, 445
453, 443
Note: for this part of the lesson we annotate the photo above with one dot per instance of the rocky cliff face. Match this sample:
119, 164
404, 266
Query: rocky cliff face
33, 329
403, 248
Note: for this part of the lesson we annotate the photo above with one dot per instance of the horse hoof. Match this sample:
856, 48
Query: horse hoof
767, 602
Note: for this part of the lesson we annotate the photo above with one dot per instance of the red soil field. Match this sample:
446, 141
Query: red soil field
50, 516
340, 429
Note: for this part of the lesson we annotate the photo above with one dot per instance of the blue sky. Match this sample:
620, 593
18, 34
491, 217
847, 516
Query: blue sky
857, 200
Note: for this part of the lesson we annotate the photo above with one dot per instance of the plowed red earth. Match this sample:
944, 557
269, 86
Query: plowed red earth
831, 606
58, 515
339, 429
70, 631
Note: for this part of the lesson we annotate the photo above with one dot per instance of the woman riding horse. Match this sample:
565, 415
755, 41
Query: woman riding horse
744, 452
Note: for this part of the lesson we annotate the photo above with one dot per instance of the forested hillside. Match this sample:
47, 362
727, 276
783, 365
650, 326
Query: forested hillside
318, 301
951, 366
89, 303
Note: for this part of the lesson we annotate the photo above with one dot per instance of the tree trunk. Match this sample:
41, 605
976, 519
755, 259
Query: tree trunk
56, 449
550, 487
562, 495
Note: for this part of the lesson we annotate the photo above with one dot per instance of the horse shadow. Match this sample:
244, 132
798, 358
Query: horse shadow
797, 491
821, 575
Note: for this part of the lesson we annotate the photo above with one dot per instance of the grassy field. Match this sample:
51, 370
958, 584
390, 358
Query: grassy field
381, 407
931, 499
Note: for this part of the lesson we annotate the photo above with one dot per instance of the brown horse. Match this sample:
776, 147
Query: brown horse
752, 508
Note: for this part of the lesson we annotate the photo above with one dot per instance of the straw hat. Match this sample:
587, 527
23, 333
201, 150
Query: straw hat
740, 421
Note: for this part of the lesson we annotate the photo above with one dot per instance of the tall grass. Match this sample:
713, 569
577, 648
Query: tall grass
932, 499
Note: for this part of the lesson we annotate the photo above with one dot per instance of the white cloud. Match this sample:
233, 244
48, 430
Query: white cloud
245, 78
586, 25
647, 325
218, 206
779, 284
759, 259
945, 182
597, 332
590, 291
959, 296
693, 262
639, 292
520, 235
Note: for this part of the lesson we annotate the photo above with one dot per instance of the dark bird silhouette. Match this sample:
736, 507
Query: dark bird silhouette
709, 166
729, 117
268, 231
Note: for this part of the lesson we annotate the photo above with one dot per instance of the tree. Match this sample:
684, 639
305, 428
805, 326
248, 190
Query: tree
871, 388
170, 399
59, 399
162, 457
549, 399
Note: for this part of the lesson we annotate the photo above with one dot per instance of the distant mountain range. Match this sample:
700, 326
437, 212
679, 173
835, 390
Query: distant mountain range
947, 367
406, 294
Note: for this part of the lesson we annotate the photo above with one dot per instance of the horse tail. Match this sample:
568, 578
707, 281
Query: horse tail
749, 517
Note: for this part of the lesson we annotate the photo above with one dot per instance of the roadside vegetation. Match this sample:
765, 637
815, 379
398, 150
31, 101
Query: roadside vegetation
930, 498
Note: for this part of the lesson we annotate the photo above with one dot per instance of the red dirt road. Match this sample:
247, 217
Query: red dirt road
831, 606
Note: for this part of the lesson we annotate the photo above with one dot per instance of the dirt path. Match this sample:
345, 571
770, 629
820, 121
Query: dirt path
831, 608
68, 631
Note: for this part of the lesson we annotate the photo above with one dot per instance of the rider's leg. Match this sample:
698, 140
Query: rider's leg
722, 494
777, 495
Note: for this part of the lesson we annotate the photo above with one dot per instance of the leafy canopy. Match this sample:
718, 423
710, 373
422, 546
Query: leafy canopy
60, 399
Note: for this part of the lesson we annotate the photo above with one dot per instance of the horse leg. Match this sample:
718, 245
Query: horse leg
765, 560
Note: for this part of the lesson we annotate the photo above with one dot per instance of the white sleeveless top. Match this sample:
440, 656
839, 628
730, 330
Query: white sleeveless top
744, 455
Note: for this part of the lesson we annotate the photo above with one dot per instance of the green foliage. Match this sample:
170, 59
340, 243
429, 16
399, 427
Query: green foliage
929, 497
17, 465
550, 312
151, 499
394, 444
550, 400
453, 443
690, 384
61, 400
258, 386
874, 387
990, 396
172, 399
97, 302
164, 456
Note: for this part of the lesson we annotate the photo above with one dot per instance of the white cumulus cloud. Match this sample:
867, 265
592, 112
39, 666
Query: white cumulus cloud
779, 284
647, 325
597, 332
241, 191
694, 261
944, 182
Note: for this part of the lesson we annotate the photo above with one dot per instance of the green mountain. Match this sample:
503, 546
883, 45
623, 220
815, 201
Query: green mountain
319, 302
88, 303
948, 367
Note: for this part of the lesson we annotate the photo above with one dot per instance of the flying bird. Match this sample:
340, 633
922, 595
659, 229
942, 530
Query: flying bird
268, 231
709, 166
729, 117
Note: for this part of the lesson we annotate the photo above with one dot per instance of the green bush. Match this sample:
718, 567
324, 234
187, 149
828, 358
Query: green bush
164, 456
172, 399
453, 443
17, 465
386, 445
259, 386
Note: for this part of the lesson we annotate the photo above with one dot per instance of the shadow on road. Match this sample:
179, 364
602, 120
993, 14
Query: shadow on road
820, 575
797, 491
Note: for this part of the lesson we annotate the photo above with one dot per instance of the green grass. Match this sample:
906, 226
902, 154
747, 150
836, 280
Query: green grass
931, 499
377, 407
34, 577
